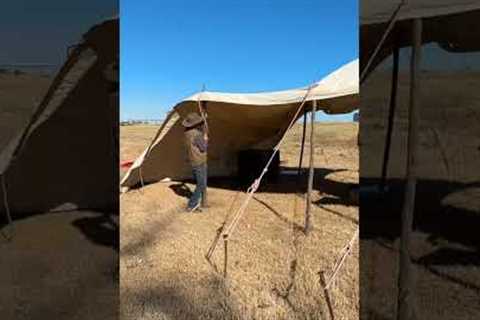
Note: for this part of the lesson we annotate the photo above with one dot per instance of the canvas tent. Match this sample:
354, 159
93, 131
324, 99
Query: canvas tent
425, 124
451, 24
64, 157
238, 122
451, 27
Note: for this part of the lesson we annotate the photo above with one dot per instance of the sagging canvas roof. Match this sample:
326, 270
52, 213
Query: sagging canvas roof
453, 25
450, 24
67, 136
339, 84
237, 122
380, 11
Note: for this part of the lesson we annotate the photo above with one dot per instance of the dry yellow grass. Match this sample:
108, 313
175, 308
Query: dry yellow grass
19, 96
444, 243
272, 267
51, 269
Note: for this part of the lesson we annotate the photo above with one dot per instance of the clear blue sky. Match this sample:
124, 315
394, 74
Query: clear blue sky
170, 49
38, 32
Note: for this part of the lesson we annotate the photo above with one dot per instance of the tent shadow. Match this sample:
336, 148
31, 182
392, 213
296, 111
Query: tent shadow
182, 190
444, 220
432, 215
101, 230
445, 256
286, 182
333, 192
213, 302
149, 235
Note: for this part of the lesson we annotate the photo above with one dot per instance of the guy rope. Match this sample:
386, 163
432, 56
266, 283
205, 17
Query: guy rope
225, 232
391, 24
201, 109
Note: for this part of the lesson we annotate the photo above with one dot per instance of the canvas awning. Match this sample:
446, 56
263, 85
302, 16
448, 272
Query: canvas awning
451, 24
64, 157
238, 122
380, 11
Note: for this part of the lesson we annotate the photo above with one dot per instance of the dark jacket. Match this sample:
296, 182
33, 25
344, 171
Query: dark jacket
196, 146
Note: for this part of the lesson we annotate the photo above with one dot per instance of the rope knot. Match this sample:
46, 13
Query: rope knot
255, 185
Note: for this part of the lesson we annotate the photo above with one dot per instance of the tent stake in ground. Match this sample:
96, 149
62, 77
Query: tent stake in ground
308, 226
405, 282
327, 295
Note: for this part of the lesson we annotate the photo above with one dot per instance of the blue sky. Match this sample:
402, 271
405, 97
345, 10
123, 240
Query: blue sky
170, 49
38, 32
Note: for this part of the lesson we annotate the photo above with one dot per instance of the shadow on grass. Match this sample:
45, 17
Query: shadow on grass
150, 234
182, 190
282, 218
380, 216
446, 242
101, 230
286, 182
211, 301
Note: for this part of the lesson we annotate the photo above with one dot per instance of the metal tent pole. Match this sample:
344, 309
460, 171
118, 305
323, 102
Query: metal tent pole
405, 307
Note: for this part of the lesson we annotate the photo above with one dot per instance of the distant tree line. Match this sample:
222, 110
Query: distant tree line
141, 122
11, 71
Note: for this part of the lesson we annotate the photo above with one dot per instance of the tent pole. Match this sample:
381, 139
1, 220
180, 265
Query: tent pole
203, 108
7, 208
302, 147
308, 226
405, 306
391, 115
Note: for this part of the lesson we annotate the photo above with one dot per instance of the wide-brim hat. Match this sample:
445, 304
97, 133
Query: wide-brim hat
191, 120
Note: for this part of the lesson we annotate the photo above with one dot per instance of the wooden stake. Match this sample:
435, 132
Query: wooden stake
308, 226
391, 115
327, 295
405, 307
225, 261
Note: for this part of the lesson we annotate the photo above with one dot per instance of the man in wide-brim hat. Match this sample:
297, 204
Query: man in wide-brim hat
196, 143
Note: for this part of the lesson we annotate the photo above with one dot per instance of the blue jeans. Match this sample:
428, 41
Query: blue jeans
200, 176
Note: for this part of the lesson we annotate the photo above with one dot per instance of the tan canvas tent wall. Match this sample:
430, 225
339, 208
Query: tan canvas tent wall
237, 122
65, 158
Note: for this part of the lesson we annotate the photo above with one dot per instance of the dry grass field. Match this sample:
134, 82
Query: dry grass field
55, 265
445, 242
19, 95
273, 268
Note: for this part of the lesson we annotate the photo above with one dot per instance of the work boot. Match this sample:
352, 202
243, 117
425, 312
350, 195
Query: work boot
194, 209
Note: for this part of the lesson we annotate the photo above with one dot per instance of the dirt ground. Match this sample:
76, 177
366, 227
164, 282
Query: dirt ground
273, 268
53, 268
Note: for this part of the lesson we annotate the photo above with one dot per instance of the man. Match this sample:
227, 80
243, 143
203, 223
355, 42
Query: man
196, 142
